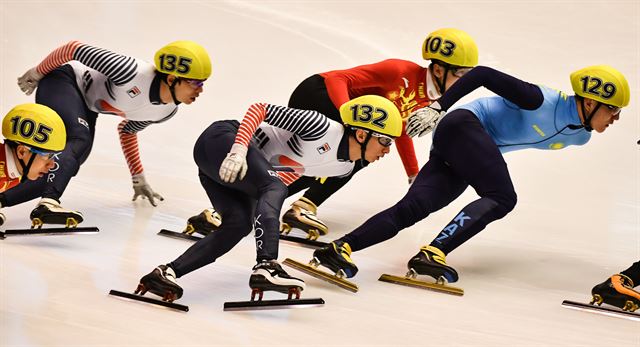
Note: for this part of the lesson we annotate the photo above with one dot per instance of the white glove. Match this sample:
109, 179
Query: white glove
424, 120
142, 188
235, 163
412, 178
29, 81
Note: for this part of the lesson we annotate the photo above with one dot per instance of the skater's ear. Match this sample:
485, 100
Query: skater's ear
360, 135
22, 151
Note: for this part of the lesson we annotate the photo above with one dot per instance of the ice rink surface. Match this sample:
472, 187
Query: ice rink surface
576, 223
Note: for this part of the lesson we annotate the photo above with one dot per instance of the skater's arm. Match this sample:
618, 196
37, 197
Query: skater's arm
127, 131
407, 152
119, 68
308, 125
526, 95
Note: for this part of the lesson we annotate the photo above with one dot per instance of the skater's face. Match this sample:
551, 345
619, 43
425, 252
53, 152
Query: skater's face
604, 117
187, 90
377, 147
42, 162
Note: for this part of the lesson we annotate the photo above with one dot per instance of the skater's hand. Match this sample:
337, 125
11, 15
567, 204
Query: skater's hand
142, 188
235, 164
424, 120
29, 81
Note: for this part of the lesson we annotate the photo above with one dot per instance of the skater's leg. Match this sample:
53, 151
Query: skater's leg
236, 210
633, 272
473, 155
435, 187
59, 91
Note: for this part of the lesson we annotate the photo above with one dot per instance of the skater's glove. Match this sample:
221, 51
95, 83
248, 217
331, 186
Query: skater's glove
29, 81
235, 164
424, 120
412, 178
143, 189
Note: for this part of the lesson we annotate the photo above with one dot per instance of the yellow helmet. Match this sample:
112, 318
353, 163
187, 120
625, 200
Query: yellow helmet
36, 126
601, 83
185, 59
452, 46
372, 112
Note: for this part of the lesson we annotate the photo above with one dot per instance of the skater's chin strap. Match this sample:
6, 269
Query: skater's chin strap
363, 147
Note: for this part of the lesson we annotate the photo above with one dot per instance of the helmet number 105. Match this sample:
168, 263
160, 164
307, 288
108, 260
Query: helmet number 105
28, 128
168, 63
365, 113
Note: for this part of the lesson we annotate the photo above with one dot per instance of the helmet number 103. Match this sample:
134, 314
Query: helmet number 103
365, 113
168, 63
435, 44
594, 85
28, 128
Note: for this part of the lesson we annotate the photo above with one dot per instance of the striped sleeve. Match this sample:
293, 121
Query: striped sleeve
118, 68
287, 177
308, 125
127, 131
129, 144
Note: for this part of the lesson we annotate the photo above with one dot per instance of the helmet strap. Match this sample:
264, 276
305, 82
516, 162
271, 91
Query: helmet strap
172, 88
363, 148
587, 118
442, 82
26, 167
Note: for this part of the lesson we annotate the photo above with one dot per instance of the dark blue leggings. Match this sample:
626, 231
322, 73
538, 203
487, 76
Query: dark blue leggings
59, 91
463, 154
252, 203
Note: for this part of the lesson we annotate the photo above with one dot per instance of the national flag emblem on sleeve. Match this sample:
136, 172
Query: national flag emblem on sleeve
324, 148
133, 92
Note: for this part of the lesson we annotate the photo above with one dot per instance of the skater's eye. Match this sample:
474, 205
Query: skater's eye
459, 72
383, 140
194, 83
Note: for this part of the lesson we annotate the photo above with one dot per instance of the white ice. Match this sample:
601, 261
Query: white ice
576, 222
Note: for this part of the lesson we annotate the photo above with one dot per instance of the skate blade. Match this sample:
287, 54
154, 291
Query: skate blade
612, 312
177, 235
421, 284
145, 299
272, 304
48, 232
300, 241
311, 271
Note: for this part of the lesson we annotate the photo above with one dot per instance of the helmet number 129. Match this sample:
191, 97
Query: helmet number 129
606, 90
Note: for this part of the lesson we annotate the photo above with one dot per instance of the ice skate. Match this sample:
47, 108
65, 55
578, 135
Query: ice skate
429, 261
203, 223
49, 211
161, 282
616, 291
302, 215
269, 276
336, 257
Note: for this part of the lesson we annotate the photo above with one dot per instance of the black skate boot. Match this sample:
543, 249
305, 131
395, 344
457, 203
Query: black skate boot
203, 223
337, 257
431, 261
302, 215
269, 275
49, 211
161, 282
616, 291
